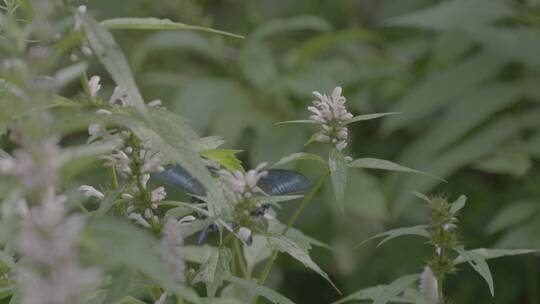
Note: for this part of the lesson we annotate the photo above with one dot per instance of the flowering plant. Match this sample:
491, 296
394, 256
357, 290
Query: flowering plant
126, 239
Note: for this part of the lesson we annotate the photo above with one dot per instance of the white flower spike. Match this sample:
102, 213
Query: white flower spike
330, 112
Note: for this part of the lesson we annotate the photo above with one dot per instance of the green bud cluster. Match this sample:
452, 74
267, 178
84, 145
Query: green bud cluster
443, 236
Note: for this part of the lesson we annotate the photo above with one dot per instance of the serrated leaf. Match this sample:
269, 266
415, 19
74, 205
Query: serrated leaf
213, 269
283, 243
458, 204
487, 253
159, 24
114, 61
255, 288
419, 230
369, 117
298, 156
479, 264
338, 174
382, 164
117, 242
382, 294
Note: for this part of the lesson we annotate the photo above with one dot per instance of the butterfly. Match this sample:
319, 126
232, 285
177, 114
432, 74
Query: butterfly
276, 182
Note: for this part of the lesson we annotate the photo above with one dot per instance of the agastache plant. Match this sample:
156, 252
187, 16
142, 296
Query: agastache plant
133, 158
127, 238
442, 234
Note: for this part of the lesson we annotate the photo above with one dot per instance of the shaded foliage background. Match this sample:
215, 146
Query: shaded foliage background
463, 73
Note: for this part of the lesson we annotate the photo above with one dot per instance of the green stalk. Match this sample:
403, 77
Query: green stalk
86, 87
292, 220
241, 261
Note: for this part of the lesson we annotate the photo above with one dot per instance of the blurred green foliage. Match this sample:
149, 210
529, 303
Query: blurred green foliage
464, 74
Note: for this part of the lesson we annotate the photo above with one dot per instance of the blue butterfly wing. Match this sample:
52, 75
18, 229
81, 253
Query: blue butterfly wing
179, 177
282, 182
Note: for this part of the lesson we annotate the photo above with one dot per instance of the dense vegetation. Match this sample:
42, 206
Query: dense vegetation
139, 139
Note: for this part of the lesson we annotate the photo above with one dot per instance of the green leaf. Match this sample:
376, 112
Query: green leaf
458, 204
454, 14
369, 116
114, 61
109, 200
158, 24
298, 156
123, 283
185, 42
7, 259
117, 242
196, 226
68, 74
208, 143
515, 163
381, 164
275, 199
258, 251
171, 142
257, 289
233, 98
73, 153
419, 230
300, 121
199, 254
382, 294
479, 105
226, 158
283, 243
222, 300
7, 291
338, 174
213, 277
519, 44
422, 196
479, 264
279, 26
486, 253
312, 139
434, 92
258, 65
512, 214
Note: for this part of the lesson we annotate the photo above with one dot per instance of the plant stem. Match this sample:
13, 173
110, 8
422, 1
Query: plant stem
292, 220
86, 87
241, 261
